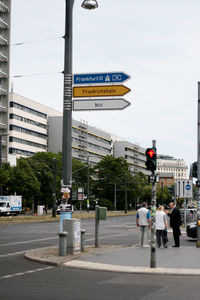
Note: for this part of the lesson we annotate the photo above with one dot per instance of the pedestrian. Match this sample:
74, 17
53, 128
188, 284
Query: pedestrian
161, 227
143, 220
175, 223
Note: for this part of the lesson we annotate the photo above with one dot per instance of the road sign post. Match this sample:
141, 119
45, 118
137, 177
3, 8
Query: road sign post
99, 78
100, 104
100, 91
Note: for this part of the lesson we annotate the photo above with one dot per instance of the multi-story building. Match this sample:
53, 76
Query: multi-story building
133, 153
168, 164
28, 126
5, 6
87, 141
34, 127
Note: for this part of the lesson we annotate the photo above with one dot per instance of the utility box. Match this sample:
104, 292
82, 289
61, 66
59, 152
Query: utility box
102, 213
73, 228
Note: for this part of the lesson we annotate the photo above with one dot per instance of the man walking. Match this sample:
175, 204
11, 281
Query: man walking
175, 223
143, 220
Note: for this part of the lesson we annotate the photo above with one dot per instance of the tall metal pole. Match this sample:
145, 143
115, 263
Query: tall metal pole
54, 189
88, 185
115, 196
126, 205
198, 171
153, 219
0, 151
67, 99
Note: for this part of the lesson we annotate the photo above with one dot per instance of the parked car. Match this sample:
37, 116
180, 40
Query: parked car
191, 230
66, 207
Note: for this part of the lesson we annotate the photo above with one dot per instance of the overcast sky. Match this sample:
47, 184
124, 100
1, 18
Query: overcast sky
156, 42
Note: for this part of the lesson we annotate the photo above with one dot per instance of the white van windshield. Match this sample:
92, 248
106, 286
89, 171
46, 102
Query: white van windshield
2, 204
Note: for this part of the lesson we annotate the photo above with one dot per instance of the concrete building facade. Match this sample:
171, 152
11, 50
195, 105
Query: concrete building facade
87, 141
133, 153
34, 127
5, 7
168, 164
28, 126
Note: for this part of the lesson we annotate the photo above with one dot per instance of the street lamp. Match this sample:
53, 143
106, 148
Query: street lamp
89, 4
67, 97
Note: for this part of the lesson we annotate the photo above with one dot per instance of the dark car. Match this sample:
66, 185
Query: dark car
191, 230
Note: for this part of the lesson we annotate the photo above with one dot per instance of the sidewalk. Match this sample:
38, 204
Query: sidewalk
132, 259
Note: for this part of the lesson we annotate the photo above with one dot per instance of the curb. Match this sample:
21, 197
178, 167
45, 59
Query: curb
78, 264
49, 255
50, 259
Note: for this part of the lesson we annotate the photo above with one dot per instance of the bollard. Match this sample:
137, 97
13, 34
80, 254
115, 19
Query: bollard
63, 243
83, 240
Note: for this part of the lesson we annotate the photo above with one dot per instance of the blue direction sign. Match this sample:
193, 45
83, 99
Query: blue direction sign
98, 78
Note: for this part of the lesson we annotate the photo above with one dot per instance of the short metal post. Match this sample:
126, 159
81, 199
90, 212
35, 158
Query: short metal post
96, 226
83, 240
153, 219
63, 243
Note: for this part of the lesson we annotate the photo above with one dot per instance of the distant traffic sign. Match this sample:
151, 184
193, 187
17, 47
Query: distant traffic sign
100, 104
184, 188
98, 78
100, 91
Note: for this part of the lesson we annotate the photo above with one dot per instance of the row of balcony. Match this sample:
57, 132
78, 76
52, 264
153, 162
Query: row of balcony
3, 8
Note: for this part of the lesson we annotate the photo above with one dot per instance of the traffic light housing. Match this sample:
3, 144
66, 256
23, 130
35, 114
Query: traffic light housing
194, 169
151, 159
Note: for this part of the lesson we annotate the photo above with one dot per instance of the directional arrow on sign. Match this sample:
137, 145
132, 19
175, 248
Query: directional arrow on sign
100, 104
98, 78
100, 91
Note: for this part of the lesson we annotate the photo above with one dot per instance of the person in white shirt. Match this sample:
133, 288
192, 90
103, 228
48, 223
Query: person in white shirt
143, 220
161, 226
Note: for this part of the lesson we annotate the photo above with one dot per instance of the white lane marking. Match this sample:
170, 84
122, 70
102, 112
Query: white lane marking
12, 254
27, 242
26, 272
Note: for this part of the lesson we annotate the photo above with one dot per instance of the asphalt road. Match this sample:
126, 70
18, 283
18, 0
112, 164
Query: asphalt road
24, 279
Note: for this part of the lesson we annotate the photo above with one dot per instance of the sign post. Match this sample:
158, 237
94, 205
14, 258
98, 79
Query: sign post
100, 91
99, 78
100, 104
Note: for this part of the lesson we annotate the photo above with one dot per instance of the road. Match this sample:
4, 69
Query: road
24, 279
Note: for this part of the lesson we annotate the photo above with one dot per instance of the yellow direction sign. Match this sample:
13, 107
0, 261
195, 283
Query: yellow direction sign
100, 91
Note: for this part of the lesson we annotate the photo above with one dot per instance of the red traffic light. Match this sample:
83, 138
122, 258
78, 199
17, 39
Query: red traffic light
151, 153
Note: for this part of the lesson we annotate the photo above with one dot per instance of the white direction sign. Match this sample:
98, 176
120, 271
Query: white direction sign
100, 104
184, 188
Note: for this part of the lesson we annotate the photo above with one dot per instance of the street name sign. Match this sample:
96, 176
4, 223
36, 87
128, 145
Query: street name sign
99, 78
100, 91
100, 104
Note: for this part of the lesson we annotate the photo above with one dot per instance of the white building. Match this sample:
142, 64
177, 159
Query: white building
5, 6
34, 127
28, 126
168, 164
134, 155
86, 140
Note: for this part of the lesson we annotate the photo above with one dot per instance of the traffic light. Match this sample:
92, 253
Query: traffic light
151, 159
194, 169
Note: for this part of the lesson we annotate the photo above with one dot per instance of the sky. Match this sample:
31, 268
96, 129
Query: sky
156, 42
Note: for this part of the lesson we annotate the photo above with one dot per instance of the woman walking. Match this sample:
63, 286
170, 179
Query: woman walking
161, 227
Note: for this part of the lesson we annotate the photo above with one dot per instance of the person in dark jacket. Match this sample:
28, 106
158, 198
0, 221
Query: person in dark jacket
175, 223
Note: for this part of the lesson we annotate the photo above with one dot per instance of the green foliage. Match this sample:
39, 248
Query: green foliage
33, 179
106, 203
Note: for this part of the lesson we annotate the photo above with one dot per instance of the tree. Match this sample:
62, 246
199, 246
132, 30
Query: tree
42, 165
24, 182
110, 171
5, 173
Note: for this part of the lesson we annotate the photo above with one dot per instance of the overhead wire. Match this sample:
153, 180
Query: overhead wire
31, 42
36, 41
35, 74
